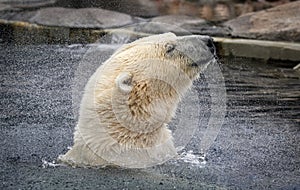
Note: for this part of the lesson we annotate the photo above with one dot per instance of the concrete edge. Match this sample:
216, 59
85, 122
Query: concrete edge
259, 49
19, 32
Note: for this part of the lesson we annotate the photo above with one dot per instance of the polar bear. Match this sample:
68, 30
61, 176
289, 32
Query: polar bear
131, 98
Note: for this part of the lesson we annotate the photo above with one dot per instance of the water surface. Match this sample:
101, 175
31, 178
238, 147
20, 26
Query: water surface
257, 147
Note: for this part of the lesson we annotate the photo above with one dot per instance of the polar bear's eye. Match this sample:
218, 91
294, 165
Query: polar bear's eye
169, 48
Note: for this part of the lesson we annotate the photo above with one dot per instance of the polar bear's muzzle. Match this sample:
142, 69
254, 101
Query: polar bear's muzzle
199, 49
210, 44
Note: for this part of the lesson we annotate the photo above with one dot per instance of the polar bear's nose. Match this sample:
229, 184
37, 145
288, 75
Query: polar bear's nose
210, 44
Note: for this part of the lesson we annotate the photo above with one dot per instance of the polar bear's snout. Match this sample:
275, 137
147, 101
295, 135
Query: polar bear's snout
210, 44
201, 42
199, 49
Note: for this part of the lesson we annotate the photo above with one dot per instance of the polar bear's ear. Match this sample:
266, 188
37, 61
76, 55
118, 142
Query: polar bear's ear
124, 82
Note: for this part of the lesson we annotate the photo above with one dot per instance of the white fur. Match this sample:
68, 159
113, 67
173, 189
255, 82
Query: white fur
127, 104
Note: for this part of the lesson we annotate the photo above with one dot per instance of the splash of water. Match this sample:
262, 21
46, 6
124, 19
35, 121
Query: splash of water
46, 164
196, 159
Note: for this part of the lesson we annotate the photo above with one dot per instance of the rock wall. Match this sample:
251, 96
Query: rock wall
279, 23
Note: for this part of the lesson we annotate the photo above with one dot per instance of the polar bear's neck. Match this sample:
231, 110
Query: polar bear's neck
133, 139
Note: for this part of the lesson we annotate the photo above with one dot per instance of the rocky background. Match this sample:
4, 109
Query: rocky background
79, 21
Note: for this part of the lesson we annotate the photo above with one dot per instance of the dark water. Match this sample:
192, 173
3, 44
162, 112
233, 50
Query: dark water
257, 147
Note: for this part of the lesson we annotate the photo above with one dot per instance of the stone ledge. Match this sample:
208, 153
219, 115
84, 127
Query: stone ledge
18, 32
259, 49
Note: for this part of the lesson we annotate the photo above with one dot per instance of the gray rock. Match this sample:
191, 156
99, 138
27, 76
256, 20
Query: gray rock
28, 3
4, 7
181, 25
133, 7
278, 23
180, 20
17, 15
6, 11
25, 1
80, 18
187, 23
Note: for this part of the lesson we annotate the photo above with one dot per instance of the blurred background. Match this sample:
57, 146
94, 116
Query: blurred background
213, 10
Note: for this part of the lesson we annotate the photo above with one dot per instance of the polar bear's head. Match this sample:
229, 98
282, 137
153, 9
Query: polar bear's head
176, 61
151, 74
166, 57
